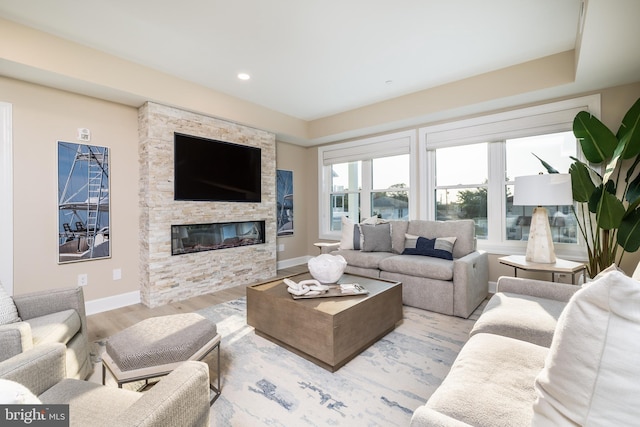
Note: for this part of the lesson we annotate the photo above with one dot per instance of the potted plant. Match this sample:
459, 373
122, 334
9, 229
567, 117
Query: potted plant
607, 190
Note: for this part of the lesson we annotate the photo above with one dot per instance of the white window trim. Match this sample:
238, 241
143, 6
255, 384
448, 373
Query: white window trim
6, 197
396, 143
541, 119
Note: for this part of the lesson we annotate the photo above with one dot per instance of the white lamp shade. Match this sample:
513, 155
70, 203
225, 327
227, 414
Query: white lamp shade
552, 189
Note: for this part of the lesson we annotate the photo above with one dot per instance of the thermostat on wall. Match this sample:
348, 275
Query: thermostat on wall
84, 134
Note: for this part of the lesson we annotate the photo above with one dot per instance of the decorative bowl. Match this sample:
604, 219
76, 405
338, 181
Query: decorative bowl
327, 268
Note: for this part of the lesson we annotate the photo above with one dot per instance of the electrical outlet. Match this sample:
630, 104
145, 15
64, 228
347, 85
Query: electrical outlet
117, 274
281, 247
83, 279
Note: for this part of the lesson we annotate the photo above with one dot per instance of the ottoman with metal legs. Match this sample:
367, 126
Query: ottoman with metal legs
156, 346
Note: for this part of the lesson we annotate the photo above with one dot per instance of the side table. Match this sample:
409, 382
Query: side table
561, 266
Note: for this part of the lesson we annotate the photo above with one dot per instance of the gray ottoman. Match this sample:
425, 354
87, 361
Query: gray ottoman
156, 346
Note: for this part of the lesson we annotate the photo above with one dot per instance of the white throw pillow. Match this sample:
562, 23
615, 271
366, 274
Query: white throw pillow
591, 373
13, 393
8, 310
346, 239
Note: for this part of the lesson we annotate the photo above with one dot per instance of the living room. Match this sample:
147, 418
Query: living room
55, 86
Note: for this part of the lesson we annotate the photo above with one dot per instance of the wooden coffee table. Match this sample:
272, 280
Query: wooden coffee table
327, 331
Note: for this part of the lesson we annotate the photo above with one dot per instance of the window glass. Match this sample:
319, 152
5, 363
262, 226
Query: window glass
346, 182
390, 204
346, 176
465, 164
555, 149
390, 174
341, 205
461, 185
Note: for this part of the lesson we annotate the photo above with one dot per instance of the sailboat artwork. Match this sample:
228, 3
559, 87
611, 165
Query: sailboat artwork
83, 202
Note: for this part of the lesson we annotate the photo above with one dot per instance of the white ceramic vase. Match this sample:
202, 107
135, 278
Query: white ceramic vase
327, 268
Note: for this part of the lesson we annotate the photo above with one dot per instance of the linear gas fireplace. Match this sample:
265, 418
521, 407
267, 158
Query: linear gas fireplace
189, 238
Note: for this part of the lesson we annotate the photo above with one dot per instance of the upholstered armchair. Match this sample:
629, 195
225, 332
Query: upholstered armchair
178, 399
52, 316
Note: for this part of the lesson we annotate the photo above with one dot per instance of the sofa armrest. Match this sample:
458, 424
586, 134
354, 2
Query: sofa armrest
41, 303
470, 282
37, 369
536, 288
14, 339
179, 399
426, 417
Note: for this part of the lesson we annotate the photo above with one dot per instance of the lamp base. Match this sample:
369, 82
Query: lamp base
540, 246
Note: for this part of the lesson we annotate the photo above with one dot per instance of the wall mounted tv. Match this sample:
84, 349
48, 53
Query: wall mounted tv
211, 170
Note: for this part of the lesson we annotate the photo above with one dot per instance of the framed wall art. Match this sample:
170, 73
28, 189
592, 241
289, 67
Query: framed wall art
284, 202
83, 202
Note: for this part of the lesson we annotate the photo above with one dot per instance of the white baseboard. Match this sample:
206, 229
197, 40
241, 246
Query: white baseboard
110, 303
492, 287
286, 263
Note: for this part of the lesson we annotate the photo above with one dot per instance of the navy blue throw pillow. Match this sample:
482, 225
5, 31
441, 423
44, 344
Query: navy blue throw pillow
426, 247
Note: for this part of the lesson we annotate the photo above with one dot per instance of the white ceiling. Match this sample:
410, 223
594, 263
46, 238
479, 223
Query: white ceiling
311, 59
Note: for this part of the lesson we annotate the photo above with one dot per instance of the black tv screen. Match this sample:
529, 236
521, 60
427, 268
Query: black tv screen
211, 170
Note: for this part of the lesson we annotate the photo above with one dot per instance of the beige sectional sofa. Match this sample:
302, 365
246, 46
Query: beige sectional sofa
450, 286
546, 354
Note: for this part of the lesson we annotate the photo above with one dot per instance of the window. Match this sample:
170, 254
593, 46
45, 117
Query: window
462, 176
370, 177
469, 166
557, 150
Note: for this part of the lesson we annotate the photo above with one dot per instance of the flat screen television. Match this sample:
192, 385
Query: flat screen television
212, 170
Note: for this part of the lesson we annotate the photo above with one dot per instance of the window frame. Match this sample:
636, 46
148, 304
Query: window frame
495, 129
364, 150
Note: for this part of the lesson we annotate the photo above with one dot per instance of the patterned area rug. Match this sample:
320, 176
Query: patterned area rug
264, 384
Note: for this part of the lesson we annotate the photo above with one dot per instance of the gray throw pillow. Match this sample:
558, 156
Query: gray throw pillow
377, 238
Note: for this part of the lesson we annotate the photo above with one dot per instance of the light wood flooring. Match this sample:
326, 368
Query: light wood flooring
103, 325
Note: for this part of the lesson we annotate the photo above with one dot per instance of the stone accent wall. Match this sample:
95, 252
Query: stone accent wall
166, 278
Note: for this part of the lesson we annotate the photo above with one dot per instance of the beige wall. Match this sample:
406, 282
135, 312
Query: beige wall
41, 117
293, 158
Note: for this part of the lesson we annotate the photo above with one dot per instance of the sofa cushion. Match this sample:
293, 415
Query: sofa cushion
591, 373
523, 317
463, 230
440, 247
376, 238
56, 327
419, 266
8, 310
363, 259
490, 383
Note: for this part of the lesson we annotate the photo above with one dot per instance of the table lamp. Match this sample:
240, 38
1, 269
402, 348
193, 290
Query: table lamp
542, 190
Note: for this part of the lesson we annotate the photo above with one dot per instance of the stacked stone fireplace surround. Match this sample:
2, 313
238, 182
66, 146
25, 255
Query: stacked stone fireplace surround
166, 278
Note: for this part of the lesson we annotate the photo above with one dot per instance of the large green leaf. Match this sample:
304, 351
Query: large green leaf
582, 185
610, 211
611, 164
629, 232
597, 141
550, 169
633, 192
629, 131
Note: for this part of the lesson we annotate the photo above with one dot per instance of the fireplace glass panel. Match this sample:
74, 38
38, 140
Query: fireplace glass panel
189, 238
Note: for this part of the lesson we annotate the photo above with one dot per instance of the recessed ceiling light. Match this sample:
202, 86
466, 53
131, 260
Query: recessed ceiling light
244, 76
